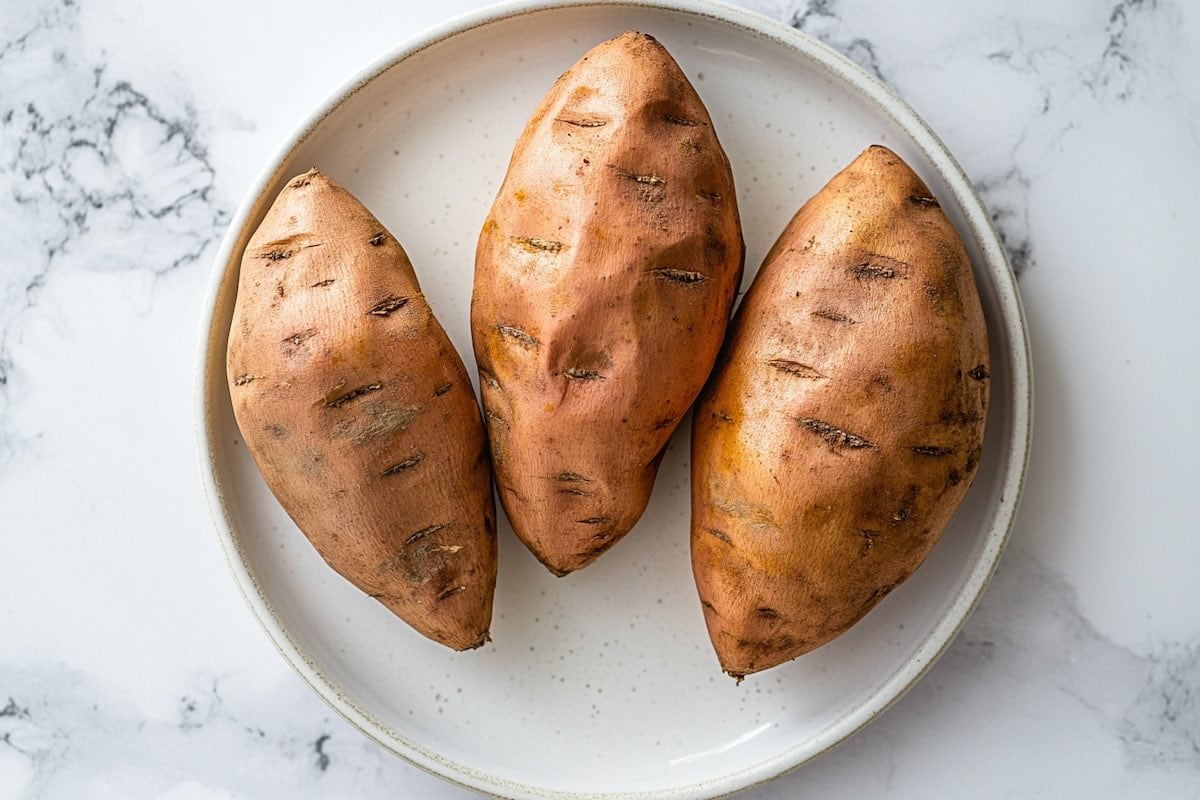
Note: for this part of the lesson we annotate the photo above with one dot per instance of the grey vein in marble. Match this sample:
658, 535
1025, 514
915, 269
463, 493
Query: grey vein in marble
73, 738
1030, 643
1070, 75
90, 159
820, 18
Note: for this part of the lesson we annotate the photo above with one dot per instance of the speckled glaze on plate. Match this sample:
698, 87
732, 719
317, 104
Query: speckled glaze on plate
601, 684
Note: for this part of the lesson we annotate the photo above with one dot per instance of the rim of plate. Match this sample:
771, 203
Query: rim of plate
1012, 473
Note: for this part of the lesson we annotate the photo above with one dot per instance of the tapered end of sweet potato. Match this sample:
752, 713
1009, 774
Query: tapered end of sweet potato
465, 628
579, 516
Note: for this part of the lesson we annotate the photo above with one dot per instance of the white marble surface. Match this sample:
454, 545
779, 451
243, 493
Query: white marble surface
129, 666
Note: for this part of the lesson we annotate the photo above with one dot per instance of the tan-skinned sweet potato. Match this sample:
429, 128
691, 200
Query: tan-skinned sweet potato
360, 414
844, 420
604, 278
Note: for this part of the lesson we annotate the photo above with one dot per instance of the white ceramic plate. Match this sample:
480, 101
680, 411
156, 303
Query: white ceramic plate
602, 684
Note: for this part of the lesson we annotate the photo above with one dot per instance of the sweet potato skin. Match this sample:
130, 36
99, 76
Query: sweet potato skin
844, 421
605, 273
360, 414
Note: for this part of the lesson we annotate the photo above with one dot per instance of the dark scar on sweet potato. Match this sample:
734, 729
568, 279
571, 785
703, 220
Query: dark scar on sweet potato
406, 464
836, 436
582, 122
834, 316
679, 276
722, 535
488, 379
421, 534
868, 541
795, 368
534, 244
517, 335
387, 305
496, 418
579, 374
300, 336
647, 180
341, 400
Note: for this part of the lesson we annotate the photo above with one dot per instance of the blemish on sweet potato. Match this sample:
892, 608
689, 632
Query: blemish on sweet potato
517, 335
834, 316
299, 337
795, 368
387, 305
339, 400
582, 122
869, 271
378, 419
679, 276
835, 435
868, 541
647, 179
535, 245
421, 534
488, 379
580, 374
405, 465
722, 535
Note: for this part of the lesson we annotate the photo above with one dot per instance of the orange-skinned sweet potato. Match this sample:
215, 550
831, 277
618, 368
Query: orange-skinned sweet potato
844, 421
360, 414
604, 278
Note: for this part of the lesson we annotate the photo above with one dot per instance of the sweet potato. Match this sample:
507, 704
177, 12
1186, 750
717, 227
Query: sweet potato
844, 420
360, 414
604, 278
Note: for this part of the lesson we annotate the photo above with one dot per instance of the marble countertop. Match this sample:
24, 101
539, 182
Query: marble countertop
129, 665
